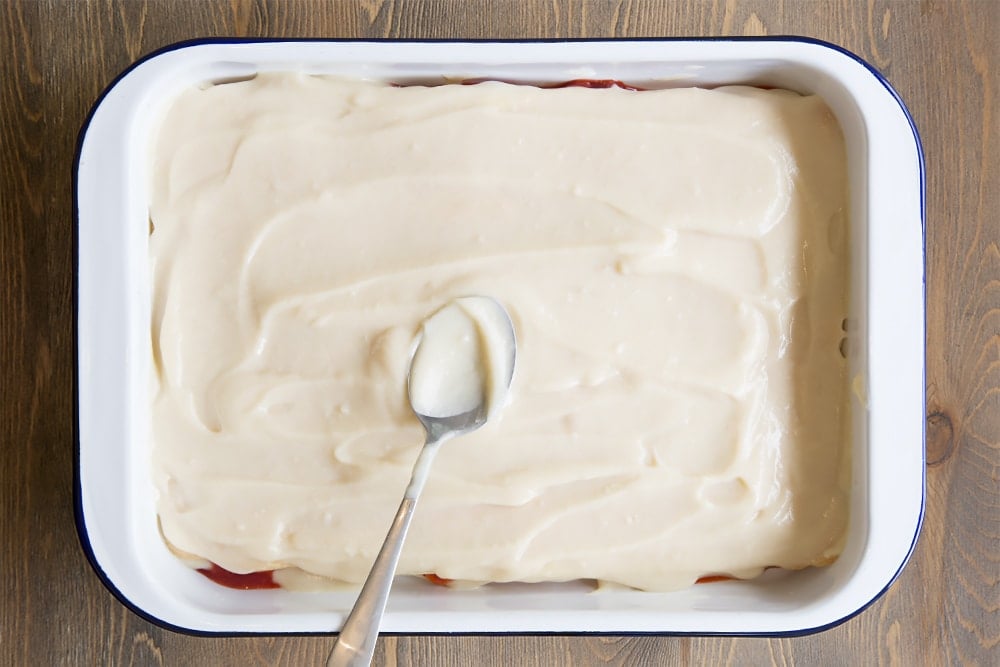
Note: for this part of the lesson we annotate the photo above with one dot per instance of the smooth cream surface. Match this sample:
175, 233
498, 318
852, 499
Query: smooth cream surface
675, 264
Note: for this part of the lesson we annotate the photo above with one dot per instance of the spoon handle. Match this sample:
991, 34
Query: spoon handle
356, 641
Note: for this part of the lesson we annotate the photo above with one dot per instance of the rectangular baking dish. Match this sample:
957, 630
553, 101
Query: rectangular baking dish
115, 504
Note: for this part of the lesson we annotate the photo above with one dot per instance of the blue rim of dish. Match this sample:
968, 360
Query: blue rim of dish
81, 524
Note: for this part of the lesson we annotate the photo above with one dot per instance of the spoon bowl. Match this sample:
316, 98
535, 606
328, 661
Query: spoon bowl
356, 641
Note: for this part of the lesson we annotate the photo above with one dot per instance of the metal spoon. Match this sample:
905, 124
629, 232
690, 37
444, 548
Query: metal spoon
356, 641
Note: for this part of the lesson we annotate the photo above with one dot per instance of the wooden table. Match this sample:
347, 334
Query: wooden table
941, 55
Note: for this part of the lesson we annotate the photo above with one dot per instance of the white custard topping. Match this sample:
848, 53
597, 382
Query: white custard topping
675, 265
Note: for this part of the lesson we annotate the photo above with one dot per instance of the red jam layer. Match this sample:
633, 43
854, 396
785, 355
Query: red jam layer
244, 582
265, 579
574, 83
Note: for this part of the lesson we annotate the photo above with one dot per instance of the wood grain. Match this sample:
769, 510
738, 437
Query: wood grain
941, 55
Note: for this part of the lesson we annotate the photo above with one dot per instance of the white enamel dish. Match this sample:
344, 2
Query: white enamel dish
115, 509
